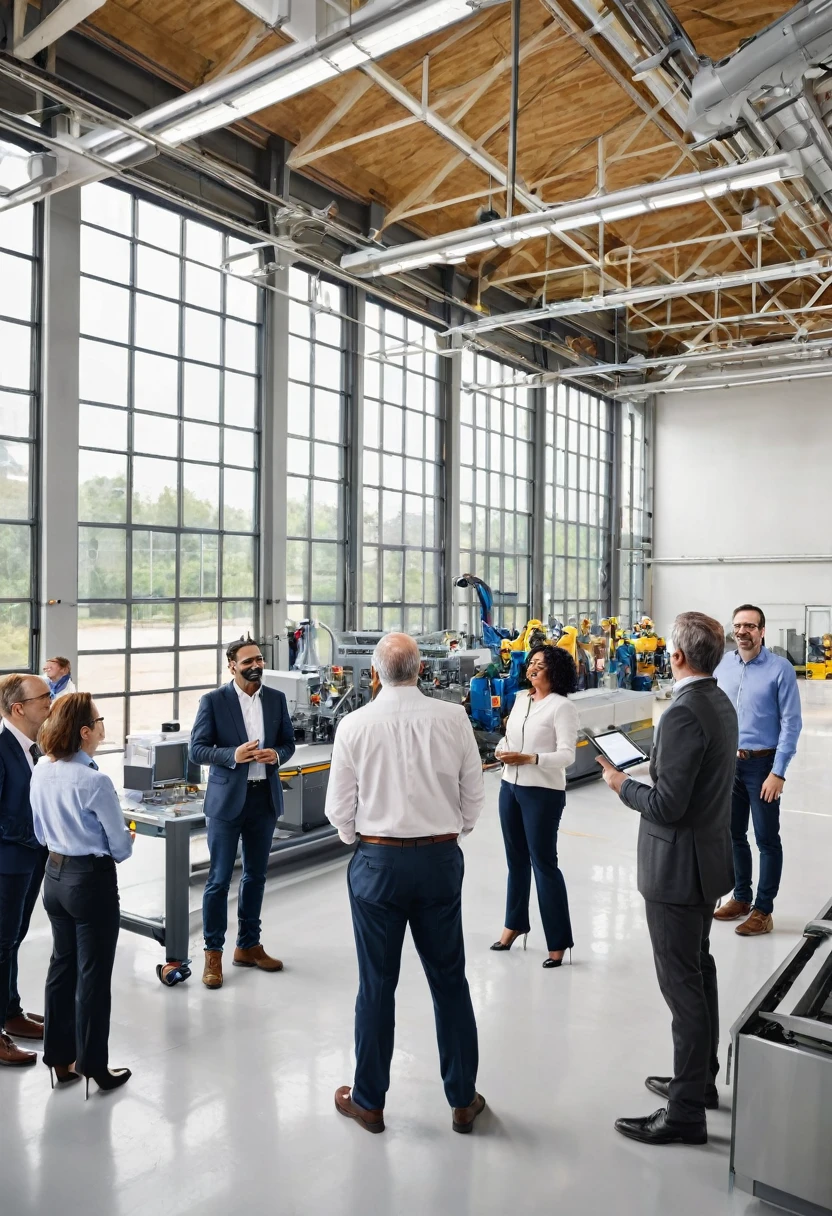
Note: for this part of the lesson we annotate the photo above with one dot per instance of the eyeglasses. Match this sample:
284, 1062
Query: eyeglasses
95, 721
42, 696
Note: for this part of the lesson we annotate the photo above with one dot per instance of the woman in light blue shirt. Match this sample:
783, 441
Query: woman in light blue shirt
76, 814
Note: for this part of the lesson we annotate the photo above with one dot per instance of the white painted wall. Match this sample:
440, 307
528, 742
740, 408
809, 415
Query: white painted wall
743, 472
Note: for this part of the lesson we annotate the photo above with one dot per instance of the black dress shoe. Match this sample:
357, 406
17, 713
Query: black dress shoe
660, 1086
657, 1129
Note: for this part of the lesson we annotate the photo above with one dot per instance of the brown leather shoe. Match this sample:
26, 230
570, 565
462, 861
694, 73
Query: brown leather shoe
212, 971
464, 1116
24, 1027
735, 909
757, 923
256, 956
13, 1056
371, 1120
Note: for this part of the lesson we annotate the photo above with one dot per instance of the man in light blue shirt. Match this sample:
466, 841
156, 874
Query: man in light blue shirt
763, 689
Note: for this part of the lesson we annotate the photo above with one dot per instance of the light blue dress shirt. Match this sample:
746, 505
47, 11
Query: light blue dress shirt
765, 695
76, 811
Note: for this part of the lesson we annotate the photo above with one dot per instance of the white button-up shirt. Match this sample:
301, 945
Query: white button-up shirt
405, 765
24, 742
252, 708
548, 727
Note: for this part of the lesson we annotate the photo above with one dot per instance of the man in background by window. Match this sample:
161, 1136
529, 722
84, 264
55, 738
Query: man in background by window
58, 676
244, 732
25, 702
763, 689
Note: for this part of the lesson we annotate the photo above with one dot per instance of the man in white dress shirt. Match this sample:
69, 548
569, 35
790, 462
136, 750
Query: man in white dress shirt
406, 781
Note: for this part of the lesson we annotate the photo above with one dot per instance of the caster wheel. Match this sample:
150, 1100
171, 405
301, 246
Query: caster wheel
173, 973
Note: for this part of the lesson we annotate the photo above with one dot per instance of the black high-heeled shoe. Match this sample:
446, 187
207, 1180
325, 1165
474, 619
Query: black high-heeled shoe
111, 1079
557, 962
65, 1080
508, 945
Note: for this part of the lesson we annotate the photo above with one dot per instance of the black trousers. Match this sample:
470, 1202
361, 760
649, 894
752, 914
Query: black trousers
18, 896
530, 817
81, 900
686, 973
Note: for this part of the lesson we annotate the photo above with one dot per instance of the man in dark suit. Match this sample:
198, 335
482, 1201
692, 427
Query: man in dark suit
25, 702
244, 732
684, 865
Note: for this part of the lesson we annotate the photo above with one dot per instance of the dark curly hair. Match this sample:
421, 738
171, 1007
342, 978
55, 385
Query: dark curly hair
560, 669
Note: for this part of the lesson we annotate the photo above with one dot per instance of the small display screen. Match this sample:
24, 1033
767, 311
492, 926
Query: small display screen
618, 749
170, 763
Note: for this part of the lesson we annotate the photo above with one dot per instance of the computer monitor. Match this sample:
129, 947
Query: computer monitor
170, 763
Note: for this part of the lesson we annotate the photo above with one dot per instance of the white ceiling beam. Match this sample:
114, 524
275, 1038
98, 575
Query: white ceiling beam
60, 21
335, 115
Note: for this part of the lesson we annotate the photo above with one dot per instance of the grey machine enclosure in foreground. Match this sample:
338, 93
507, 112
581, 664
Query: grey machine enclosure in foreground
782, 1059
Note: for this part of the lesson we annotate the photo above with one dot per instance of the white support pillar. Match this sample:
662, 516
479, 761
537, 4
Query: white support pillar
59, 426
274, 423
354, 548
452, 483
539, 601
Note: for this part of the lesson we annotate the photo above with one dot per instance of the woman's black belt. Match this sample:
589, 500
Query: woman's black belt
81, 865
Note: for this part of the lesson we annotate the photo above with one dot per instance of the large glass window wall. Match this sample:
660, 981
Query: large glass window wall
18, 414
577, 505
168, 486
496, 498
403, 491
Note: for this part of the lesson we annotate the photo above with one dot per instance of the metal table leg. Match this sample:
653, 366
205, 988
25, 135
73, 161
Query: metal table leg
177, 873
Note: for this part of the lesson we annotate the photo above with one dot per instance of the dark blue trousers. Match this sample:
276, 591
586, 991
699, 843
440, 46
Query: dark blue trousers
255, 827
748, 781
530, 817
390, 888
18, 896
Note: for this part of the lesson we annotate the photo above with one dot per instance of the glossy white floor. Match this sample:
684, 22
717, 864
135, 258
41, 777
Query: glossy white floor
230, 1108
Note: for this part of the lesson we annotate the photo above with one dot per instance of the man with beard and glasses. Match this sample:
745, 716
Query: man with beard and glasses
244, 732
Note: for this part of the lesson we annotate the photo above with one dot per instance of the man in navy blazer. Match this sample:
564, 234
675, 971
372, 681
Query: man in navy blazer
25, 702
244, 732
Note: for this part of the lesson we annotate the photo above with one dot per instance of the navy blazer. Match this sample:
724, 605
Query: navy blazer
219, 730
15, 778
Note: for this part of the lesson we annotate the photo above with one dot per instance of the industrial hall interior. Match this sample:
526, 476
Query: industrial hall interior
414, 549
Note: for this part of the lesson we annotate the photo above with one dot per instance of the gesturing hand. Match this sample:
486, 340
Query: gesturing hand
245, 753
265, 755
515, 758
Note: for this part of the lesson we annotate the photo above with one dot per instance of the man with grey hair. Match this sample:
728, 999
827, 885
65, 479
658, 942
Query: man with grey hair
684, 866
406, 782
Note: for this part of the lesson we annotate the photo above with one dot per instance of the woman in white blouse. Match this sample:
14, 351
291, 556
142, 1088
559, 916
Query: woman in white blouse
538, 747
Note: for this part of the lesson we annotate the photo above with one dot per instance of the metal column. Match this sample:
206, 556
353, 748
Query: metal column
450, 545
274, 421
59, 426
356, 304
538, 605
177, 886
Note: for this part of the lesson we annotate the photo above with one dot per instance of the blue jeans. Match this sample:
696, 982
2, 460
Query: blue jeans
748, 781
18, 895
530, 817
390, 888
255, 827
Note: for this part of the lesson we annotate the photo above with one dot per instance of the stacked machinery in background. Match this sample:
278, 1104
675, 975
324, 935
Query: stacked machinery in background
483, 674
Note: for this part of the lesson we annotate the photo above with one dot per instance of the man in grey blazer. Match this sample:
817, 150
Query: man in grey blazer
684, 865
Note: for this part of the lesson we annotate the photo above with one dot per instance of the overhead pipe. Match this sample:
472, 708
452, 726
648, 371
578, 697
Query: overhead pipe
767, 559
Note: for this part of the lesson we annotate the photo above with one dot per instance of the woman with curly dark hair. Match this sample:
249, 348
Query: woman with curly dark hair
538, 747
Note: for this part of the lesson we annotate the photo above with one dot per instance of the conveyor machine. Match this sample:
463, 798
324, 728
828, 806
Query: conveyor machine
781, 1049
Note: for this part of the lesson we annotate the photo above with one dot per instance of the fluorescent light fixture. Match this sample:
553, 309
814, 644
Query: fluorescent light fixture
373, 30
581, 213
647, 294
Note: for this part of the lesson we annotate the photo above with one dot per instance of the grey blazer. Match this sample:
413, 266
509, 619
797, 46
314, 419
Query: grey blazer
684, 842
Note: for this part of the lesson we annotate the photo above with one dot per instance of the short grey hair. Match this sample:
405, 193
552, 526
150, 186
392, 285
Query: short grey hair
13, 691
701, 640
396, 659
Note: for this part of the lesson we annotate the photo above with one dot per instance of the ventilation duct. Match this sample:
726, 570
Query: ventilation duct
773, 63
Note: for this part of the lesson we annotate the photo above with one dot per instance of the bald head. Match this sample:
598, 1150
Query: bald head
396, 659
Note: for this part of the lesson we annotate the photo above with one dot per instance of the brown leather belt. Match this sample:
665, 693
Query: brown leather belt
411, 842
745, 754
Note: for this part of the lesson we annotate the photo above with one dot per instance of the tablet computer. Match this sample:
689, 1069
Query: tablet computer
618, 749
